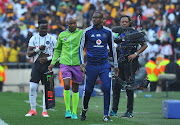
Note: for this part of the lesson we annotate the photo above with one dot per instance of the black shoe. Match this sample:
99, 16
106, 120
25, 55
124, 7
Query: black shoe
127, 115
83, 115
107, 118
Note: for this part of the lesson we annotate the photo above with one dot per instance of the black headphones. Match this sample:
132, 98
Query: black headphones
130, 22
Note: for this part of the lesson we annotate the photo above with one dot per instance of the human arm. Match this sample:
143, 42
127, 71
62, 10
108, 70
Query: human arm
54, 43
81, 51
113, 52
57, 51
32, 50
132, 56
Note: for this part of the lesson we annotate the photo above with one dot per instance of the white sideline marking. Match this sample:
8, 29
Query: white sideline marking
2, 122
139, 112
39, 106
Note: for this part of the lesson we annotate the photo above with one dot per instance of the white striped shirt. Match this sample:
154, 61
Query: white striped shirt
49, 41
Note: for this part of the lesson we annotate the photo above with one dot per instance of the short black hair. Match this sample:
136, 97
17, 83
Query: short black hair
101, 15
128, 19
153, 59
125, 16
42, 21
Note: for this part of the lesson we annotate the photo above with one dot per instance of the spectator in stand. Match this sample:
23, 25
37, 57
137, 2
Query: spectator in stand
3, 4
88, 15
115, 9
38, 8
18, 38
174, 29
168, 30
22, 54
13, 51
143, 5
152, 25
128, 9
165, 47
150, 11
153, 48
79, 16
9, 14
22, 9
177, 12
3, 51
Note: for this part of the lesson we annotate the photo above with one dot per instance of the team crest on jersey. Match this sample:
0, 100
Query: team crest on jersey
104, 35
47, 42
65, 38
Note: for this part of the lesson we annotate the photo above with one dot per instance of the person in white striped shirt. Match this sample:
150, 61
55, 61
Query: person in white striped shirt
41, 47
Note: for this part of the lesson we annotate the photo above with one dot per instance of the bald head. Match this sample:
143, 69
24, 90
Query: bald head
70, 19
72, 25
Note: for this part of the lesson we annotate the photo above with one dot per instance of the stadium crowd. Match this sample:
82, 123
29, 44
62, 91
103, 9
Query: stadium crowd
160, 20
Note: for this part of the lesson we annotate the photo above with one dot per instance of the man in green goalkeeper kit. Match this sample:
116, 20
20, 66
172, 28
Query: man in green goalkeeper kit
67, 49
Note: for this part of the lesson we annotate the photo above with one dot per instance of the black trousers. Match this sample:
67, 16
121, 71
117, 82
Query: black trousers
124, 74
153, 86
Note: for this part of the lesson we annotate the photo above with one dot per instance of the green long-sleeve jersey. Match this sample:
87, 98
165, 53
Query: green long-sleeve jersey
67, 48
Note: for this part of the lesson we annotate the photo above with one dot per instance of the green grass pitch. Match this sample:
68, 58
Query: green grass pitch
147, 111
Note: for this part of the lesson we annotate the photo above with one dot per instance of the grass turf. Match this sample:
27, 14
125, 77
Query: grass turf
147, 111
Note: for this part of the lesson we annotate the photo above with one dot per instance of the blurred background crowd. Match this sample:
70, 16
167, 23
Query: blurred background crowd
159, 19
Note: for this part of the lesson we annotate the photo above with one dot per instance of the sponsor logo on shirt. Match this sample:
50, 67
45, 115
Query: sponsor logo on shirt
98, 43
92, 35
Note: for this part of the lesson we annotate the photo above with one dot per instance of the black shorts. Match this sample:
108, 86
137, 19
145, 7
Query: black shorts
38, 71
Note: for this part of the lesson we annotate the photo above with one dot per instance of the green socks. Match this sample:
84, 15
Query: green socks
67, 97
75, 100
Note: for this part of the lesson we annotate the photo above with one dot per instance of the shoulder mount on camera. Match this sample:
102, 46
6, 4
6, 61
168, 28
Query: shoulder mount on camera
131, 35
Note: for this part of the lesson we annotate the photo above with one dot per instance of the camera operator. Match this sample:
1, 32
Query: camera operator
127, 69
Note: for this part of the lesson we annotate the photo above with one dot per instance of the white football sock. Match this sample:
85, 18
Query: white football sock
33, 95
44, 104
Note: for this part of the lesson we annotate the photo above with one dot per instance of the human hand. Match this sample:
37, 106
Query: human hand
50, 67
82, 66
42, 47
131, 57
116, 71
